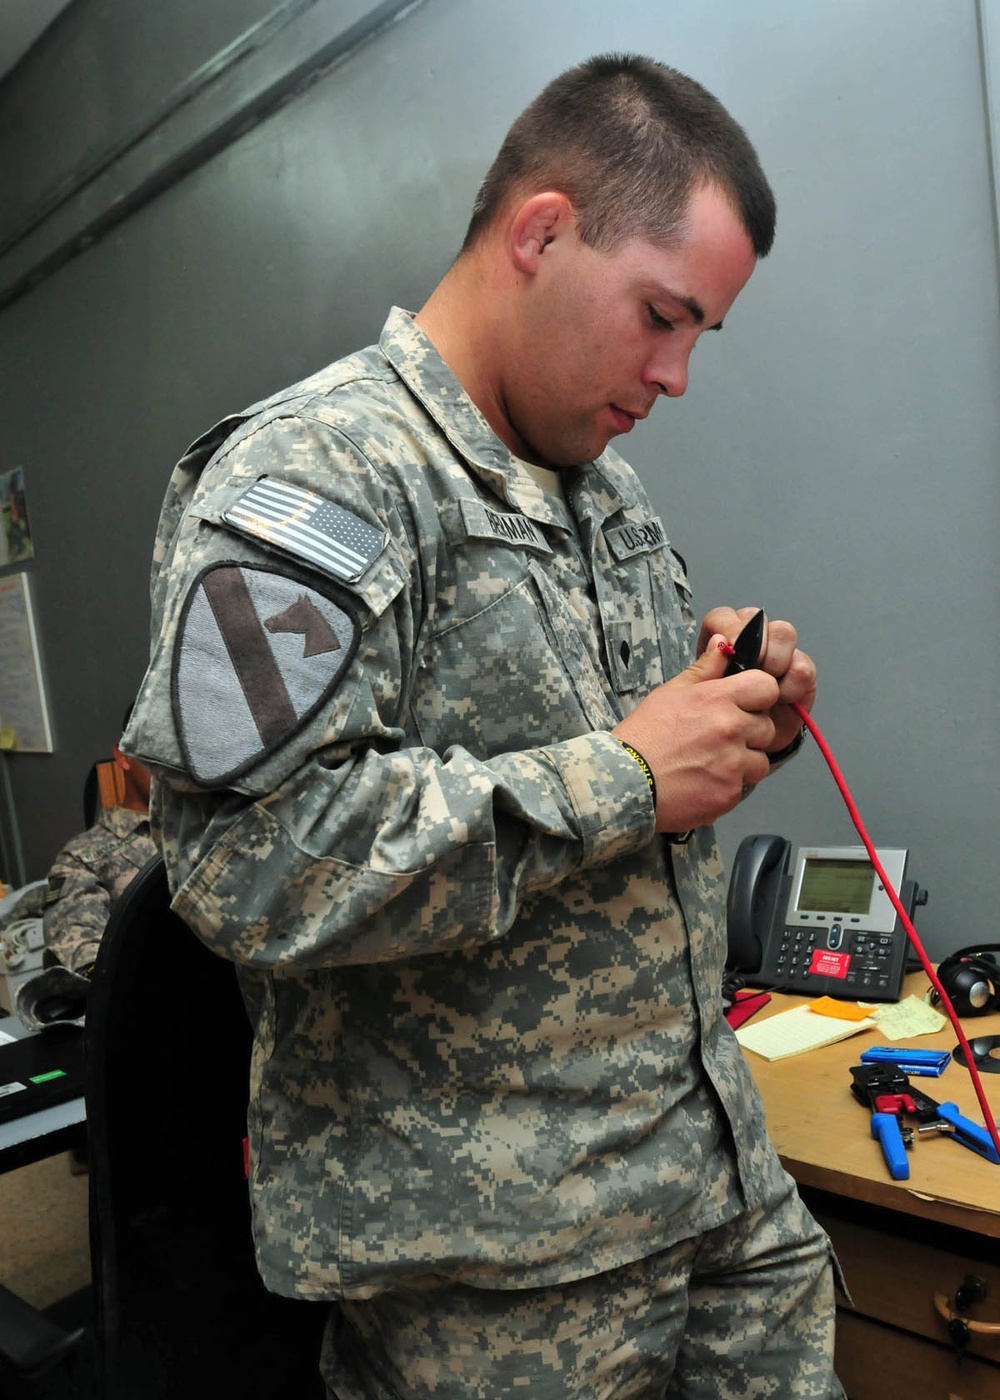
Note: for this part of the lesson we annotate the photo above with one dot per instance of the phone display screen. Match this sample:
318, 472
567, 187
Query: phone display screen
836, 886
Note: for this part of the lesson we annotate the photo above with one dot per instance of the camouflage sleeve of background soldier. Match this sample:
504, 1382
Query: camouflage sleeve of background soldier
77, 906
346, 843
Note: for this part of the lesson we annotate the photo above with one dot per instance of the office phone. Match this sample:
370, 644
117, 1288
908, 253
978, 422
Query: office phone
821, 923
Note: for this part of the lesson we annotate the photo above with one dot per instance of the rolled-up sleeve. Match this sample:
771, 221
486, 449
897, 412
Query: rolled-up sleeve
388, 856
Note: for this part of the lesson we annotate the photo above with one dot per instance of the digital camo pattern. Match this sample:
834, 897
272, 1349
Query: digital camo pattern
488, 1033
85, 879
672, 1323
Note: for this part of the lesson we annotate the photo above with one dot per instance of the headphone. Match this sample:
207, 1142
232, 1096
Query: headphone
971, 977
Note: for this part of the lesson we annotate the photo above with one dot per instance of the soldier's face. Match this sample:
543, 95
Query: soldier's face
604, 334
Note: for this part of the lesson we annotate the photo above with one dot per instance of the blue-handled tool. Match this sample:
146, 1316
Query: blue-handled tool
885, 1127
966, 1132
886, 1090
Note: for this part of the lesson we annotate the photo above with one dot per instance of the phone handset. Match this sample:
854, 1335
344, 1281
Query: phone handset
758, 867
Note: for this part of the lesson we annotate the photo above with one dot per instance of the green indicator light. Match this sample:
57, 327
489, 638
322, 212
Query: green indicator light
44, 1078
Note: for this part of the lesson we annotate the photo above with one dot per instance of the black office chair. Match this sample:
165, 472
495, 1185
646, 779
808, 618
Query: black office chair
102, 787
36, 1352
180, 1308
91, 792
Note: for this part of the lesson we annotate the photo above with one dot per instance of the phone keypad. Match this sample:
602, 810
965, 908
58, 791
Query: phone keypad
870, 962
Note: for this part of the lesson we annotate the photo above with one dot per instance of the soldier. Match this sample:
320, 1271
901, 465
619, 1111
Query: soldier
94, 868
437, 746
89, 873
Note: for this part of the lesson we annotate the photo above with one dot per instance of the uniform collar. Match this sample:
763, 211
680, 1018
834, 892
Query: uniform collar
596, 490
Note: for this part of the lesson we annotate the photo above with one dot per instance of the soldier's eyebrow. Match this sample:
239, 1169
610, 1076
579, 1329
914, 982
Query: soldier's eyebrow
692, 306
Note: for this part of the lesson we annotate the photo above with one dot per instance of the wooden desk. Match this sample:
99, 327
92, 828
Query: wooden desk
899, 1242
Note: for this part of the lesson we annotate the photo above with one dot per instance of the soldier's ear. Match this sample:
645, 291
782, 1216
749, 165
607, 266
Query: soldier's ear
537, 226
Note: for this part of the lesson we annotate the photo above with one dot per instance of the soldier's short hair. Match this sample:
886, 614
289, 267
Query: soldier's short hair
628, 140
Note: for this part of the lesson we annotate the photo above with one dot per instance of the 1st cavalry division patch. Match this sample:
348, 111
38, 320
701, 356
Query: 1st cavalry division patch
257, 653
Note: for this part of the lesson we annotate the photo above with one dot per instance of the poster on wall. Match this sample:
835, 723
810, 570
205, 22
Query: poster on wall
24, 711
15, 532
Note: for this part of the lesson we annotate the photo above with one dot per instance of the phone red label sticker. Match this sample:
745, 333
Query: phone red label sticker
827, 964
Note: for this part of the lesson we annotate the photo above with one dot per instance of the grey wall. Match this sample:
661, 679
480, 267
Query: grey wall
835, 459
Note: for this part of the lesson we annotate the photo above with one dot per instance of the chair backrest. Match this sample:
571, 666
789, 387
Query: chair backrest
91, 794
180, 1308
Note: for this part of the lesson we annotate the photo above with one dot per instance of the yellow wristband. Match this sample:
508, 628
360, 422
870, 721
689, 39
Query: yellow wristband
634, 753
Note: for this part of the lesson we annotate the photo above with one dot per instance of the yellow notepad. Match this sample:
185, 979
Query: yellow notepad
795, 1031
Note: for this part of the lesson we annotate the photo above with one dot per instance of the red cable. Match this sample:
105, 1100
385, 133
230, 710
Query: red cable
839, 779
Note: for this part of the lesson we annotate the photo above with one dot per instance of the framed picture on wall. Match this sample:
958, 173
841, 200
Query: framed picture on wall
24, 711
15, 532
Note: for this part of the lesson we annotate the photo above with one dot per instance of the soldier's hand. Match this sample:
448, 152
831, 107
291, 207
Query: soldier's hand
704, 736
780, 657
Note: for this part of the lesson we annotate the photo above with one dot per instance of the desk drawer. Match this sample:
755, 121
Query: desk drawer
878, 1363
893, 1279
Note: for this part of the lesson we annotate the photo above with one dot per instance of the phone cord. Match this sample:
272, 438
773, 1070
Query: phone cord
911, 932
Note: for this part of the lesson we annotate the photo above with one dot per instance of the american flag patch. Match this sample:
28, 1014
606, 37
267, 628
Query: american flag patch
307, 526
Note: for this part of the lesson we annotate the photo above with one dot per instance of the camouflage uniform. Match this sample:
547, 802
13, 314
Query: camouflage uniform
489, 1045
75, 900
87, 875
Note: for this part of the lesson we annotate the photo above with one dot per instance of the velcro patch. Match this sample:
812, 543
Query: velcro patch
621, 654
307, 526
624, 541
484, 523
258, 651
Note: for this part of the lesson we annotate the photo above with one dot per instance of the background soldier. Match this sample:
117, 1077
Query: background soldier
89, 873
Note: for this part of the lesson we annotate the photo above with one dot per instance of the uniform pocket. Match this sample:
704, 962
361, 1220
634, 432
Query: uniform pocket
511, 676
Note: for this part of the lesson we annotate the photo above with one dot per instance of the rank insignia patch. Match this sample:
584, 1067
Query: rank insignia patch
307, 526
258, 652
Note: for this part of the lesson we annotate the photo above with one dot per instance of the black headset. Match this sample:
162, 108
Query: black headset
971, 977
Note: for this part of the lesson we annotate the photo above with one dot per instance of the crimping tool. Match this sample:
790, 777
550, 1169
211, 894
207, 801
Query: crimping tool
886, 1091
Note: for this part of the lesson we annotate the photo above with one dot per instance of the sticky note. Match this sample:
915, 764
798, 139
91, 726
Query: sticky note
840, 1010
